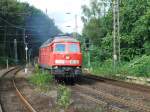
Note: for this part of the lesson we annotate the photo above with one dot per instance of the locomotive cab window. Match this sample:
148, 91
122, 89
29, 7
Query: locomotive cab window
60, 48
74, 48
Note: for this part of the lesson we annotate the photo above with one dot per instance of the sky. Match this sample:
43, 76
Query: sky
57, 9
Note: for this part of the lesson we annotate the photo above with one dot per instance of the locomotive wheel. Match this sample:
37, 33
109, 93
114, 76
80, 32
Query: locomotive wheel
72, 80
69, 80
79, 78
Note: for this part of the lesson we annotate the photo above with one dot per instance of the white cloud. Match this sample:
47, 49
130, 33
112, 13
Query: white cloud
57, 10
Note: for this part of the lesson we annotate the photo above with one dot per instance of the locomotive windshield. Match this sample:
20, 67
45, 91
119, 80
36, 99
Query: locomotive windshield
74, 48
60, 48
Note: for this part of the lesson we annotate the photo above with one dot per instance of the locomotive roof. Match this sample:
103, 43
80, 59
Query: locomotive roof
59, 39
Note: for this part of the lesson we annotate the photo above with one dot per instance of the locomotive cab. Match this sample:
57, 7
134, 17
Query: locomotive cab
62, 56
67, 59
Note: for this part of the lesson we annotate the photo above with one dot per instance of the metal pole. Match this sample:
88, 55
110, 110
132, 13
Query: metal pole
15, 48
118, 30
89, 62
46, 11
5, 53
5, 36
26, 48
26, 54
104, 5
30, 53
76, 26
5, 46
26, 51
29, 59
24, 36
7, 63
114, 36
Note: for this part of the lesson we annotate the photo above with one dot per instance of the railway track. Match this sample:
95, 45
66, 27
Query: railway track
107, 100
103, 104
138, 101
128, 85
9, 70
19, 100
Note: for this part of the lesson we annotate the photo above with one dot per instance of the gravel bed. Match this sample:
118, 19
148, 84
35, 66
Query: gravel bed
124, 93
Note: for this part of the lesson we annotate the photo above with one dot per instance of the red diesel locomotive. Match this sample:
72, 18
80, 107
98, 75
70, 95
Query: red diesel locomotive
62, 56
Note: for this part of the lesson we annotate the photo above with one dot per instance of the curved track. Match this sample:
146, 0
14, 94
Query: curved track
23, 106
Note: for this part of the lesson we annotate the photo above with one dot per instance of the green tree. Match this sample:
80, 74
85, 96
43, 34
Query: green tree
15, 18
134, 27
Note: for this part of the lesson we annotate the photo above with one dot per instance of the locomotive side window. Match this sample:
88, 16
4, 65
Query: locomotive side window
60, 48
74, 48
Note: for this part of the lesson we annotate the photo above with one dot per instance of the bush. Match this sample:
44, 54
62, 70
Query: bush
63, 97
104, 68
41, 78
140, 66
37, 69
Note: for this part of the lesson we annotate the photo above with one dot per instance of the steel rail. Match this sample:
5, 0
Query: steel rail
1, 109
120, 83
19, 94
133, 105
23, 99
102, 103
4, 74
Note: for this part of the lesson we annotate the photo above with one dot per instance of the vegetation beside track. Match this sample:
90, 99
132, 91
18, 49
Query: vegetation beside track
138, 67
64, 96
41, 78
134, 38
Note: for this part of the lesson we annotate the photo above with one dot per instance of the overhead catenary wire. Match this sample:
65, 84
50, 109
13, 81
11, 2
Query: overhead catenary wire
20, 13
15, 25
21, 42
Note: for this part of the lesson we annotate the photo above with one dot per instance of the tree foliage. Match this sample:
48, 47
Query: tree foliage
19, 20
134, 27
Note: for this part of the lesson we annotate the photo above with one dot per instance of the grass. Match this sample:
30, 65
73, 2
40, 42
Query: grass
104, 68
41, 79
139, 67
63, 96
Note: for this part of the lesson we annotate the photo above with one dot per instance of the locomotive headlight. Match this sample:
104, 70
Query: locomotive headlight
74, 61
59, 61
67, 56
55, 67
